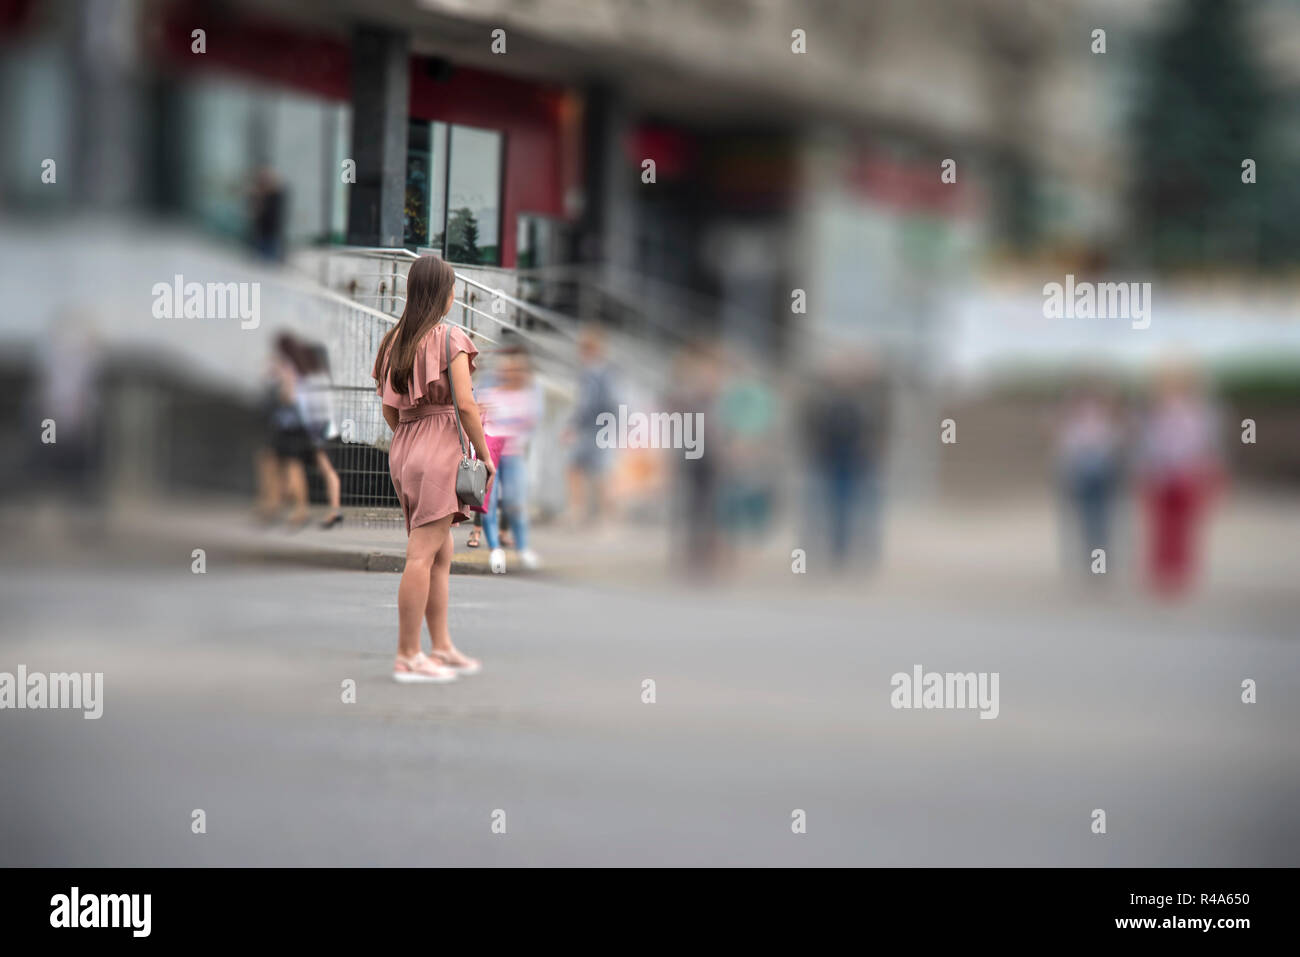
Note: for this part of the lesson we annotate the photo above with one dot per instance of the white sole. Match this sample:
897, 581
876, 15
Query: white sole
406, 678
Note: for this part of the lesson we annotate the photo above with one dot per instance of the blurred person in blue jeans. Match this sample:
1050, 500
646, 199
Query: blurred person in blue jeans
846, 423
514, 407
1089, 449
589, 462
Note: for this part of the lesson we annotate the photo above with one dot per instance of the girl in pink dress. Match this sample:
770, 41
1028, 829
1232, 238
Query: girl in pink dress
415, 383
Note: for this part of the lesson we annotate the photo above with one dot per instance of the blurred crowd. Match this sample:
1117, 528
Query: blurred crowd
789, 455
1169, 449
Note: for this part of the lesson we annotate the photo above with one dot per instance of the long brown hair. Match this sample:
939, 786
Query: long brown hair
429, 284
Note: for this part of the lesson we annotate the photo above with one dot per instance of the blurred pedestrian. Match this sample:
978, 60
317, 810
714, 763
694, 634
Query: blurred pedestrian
423, 370
1089, 451
746, 421
282, 466
67, 396
268, 202
314, 390
697, 380
1181, 469
846, 421
514, 406
488, 379
475, 532
590, 463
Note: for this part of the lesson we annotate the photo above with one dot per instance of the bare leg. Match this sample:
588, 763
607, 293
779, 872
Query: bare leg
422, 548
435, 612
295, 480
435, 609
333, 487
577, 500
268, 484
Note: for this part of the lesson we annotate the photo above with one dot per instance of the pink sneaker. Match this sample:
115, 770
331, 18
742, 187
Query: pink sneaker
421, 669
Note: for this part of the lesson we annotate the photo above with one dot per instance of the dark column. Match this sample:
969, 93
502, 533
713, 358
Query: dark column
110, 124
604, 229
381, 86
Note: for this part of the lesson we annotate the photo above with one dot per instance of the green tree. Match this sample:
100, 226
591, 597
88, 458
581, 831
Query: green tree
462, 237
1203, 108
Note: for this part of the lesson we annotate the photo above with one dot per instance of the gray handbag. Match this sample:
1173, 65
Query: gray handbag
471, 474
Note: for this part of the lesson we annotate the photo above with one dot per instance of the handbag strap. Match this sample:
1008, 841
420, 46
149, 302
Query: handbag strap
459, 431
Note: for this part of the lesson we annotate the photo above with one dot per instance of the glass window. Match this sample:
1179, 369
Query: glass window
438, 195
457, 215
220, 154
232, 128
426, 158
298, 126
539, 241
474, 197
341, 128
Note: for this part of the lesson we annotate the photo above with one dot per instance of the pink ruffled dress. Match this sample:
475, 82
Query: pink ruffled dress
425, 452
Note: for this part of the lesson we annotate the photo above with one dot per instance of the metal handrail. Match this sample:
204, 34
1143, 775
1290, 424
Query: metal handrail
343, 300
562, 325
616, 284
473, 332
326, 293
384, 275
531, 336
478, 312
382, 251
558, 321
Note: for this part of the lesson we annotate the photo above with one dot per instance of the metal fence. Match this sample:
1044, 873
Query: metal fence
352, 332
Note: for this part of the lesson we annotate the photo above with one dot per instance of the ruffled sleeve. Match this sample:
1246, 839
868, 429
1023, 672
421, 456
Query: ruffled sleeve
460, 342
430, 367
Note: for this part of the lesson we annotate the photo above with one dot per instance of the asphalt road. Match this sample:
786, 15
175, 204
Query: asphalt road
223, 692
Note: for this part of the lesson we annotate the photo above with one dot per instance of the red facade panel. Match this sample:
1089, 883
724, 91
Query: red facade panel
532, 118
539, 121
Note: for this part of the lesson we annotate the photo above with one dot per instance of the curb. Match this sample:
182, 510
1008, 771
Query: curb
345, 559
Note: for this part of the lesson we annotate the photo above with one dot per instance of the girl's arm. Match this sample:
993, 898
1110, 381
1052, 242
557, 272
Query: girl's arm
390, 416
469, 416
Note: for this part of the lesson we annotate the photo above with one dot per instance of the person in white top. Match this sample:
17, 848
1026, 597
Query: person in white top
514, 407
313, 393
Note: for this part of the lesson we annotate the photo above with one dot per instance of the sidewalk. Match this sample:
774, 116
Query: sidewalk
1009, 550
230, 533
